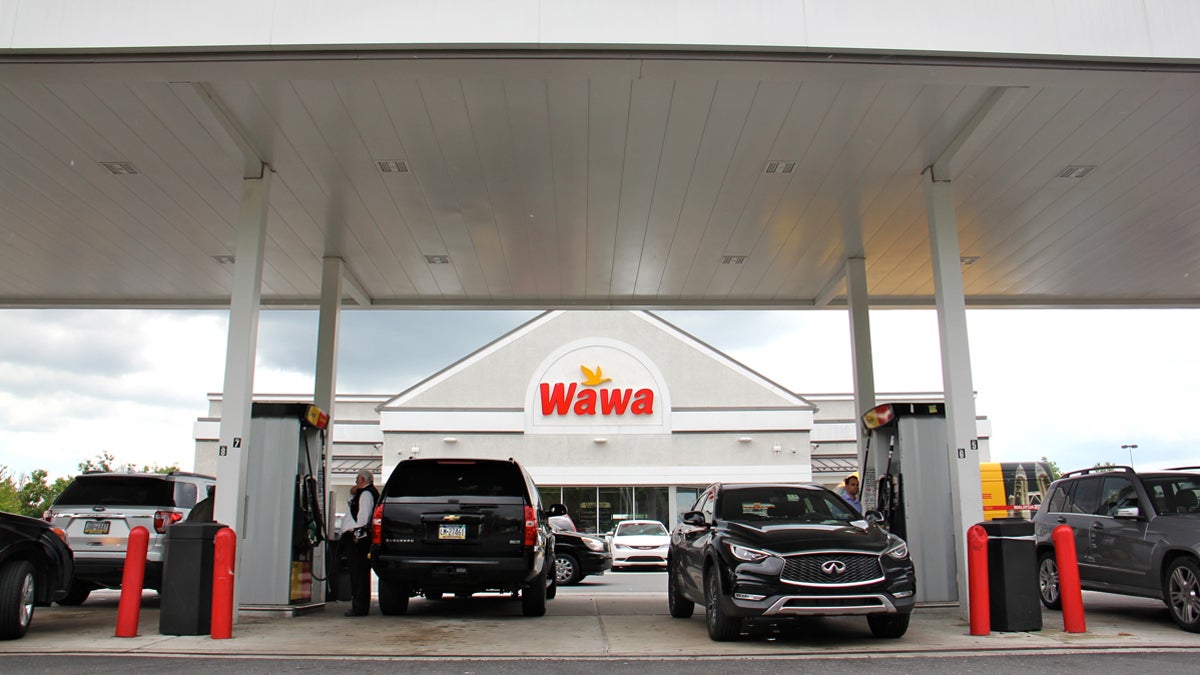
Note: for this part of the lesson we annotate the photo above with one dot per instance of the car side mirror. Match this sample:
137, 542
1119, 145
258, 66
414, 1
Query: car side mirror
695, 518
1127, 512
875, 517
557, 510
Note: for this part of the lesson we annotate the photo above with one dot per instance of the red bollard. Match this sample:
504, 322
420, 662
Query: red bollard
977, 581
224, 556
1069, 591
130, 606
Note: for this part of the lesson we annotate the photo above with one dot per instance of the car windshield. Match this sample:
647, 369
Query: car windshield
784, 505
1175, 494
633, 529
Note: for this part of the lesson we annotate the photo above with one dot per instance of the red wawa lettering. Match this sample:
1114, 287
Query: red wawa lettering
561, 398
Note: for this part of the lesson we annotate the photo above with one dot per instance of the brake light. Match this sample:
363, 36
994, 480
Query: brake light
377, 525
48, 516
164, 518
61, 535
530, 526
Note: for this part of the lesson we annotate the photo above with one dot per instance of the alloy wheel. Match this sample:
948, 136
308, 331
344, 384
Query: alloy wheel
1183, 591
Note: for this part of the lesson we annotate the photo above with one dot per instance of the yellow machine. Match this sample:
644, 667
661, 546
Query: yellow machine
1013, 489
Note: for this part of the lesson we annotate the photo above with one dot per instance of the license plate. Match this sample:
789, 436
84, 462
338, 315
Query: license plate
456, 531
96, 527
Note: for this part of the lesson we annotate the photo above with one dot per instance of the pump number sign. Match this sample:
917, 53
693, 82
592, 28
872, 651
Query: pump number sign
452, 531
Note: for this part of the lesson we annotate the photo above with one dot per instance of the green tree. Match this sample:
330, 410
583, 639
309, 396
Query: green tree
1055, 472
8, 492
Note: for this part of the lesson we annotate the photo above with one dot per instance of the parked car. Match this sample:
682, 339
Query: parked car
462, 526
578, 555
1135, 534
639, 543
35, 569
99, 510
778, 551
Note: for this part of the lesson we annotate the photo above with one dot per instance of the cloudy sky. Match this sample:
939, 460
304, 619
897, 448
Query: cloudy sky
1071, 385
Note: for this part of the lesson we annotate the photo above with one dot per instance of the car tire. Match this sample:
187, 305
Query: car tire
77, 594
552, 588
721, 626
533, 598
1183, 593
566, 569
680, 607
889, 626
393, 598
433, 595
1048, 580
17, 595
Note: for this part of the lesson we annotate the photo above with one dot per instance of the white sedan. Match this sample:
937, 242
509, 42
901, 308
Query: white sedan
640, 543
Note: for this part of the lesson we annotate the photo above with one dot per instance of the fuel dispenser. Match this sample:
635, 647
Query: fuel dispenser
906, 477
283, 559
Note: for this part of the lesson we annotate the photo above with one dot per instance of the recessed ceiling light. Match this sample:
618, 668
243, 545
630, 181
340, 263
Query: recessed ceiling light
437, 259
120, 168
733, 259
968, 260
224, 259
779, 166
392, 166
1076, 171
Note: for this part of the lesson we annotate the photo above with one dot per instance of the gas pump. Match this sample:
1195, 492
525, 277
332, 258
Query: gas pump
284, 534
906, 478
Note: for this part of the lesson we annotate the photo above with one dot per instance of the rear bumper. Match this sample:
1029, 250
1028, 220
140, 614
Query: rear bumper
110, 572
456, 574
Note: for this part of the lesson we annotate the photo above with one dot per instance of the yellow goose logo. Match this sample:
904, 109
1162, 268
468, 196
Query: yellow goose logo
593, 379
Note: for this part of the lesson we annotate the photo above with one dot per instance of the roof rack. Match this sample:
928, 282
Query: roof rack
1099, 469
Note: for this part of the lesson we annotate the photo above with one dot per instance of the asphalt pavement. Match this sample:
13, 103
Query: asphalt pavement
599, 620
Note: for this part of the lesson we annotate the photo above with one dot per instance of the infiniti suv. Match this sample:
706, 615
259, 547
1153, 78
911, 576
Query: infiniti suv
1136, 533
778, 551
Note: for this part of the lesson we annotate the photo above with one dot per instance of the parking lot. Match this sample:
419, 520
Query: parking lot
617, 615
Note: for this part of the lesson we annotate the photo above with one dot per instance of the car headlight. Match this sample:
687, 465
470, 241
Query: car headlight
746, 553
898, 550
594, 544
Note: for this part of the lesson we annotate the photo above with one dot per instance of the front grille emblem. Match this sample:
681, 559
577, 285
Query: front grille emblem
833, 567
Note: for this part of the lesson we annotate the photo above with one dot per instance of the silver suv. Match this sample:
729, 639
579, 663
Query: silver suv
1135, 534
98, 511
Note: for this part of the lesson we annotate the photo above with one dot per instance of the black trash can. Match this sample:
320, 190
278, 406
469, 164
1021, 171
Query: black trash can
338, 566
186, 607
1012, 575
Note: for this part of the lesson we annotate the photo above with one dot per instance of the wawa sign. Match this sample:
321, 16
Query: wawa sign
594, 386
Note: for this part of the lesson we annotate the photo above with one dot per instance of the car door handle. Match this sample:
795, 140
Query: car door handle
1062, 519
1097, 526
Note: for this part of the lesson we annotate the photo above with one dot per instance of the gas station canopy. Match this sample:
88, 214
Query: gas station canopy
559, 173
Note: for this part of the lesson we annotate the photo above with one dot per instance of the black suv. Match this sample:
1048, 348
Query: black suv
35, 569
98, 511
777, 551
577, 555
462, 526
1135, 534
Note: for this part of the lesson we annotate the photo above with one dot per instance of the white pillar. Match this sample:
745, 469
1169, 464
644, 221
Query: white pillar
860, 348
237, 397
961, 441
325, 387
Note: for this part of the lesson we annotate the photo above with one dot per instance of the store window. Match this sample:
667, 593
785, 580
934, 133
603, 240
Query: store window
582, 505
653, 503
616, 504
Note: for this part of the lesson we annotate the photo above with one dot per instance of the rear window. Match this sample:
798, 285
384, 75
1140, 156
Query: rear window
120, 490
456, 478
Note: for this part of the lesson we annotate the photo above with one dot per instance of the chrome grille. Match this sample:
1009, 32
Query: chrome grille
859, 568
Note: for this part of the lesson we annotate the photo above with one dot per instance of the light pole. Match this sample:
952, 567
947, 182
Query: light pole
1130, 448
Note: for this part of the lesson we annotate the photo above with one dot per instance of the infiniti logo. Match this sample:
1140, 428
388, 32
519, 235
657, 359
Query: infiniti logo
833, 567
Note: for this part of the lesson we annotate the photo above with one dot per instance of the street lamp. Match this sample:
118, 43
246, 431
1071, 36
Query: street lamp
1130, 448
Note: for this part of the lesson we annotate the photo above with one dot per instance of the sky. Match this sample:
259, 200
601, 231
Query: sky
1069, 385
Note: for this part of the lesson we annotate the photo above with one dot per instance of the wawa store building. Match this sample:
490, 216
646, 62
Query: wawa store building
617, 414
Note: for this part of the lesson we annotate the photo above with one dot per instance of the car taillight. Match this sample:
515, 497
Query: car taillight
48, 516
530, 526
61, 535
164, 518
377, 525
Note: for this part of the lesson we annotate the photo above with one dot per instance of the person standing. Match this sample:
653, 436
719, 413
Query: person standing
849, 491
356, 525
